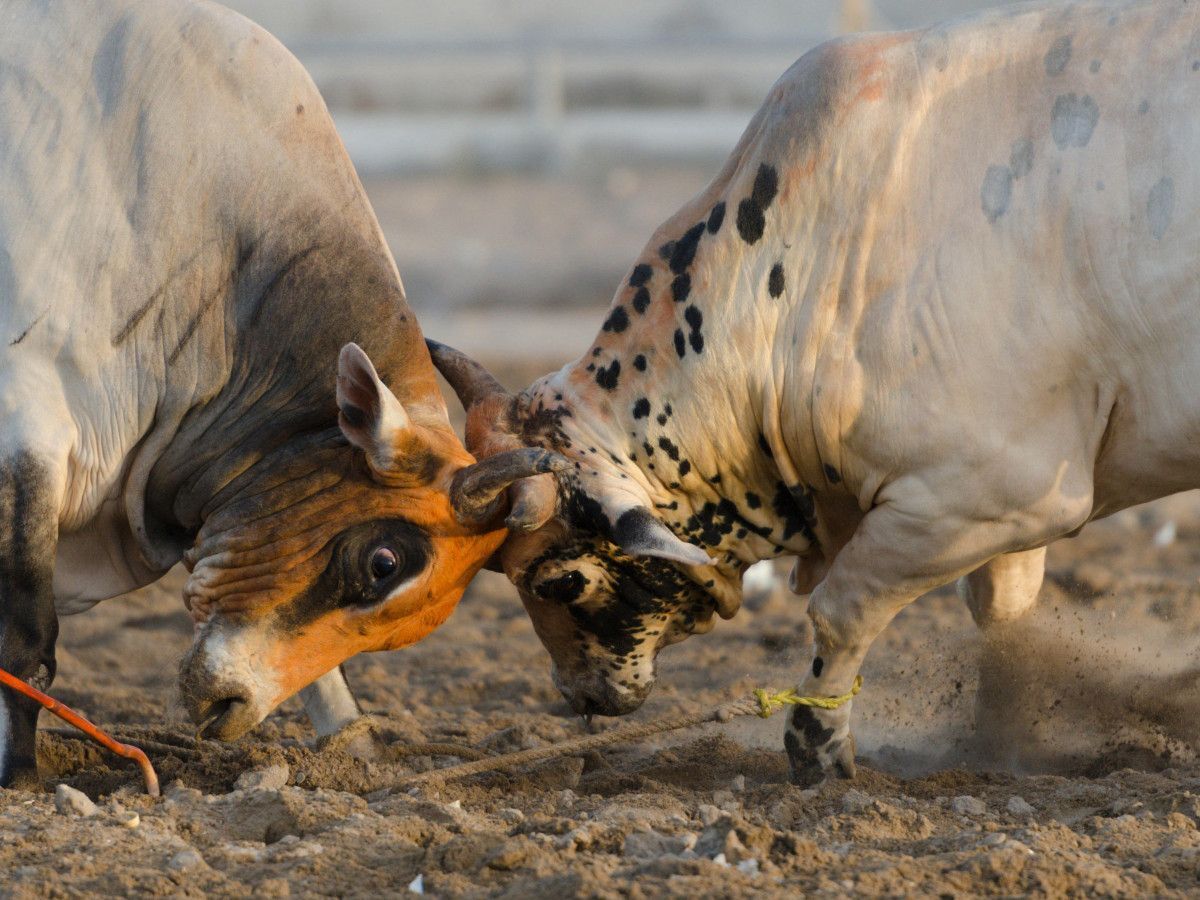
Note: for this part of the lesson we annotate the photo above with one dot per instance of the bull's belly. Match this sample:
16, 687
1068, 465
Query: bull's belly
1149, 454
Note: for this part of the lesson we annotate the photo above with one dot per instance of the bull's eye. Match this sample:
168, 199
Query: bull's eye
383, 563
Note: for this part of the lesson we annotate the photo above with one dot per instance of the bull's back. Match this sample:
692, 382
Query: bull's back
1015, 199
161, 163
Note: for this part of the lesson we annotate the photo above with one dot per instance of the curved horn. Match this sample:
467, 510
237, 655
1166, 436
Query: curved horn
471, 381
477, 491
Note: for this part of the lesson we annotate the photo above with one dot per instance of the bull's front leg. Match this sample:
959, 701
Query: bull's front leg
28, 622
892, 559
330, 703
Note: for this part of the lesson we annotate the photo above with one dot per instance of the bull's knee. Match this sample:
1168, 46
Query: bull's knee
1005, 588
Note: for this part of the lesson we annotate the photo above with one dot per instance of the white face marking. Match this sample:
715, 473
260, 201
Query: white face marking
401, 588
240, 659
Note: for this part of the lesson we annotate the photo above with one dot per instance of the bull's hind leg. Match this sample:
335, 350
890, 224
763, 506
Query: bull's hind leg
999, 594
1004, 589
28, 622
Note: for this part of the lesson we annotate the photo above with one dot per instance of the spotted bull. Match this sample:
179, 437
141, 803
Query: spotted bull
940, 308
187, 261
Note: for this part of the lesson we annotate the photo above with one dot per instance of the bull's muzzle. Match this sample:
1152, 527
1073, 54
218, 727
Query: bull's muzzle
594, 695
221, 688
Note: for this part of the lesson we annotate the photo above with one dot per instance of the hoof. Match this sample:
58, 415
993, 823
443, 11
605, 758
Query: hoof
360, 739
812, 765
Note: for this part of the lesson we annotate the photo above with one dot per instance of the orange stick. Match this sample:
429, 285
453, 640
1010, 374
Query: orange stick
69, 715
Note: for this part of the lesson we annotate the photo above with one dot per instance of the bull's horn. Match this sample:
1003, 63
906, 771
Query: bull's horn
476, 492
471, 381
639, 532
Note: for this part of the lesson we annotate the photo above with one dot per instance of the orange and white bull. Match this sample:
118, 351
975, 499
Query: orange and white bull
206, 355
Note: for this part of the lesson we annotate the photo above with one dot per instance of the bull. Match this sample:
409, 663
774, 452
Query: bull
206, 356
939, 309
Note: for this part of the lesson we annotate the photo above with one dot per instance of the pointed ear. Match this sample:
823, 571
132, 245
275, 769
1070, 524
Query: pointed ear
640, 533
369, 414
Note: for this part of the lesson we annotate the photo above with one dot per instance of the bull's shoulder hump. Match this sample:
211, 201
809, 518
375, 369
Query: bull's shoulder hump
246, 56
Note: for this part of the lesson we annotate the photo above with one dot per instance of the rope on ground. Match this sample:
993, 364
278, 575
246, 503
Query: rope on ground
438, 749
761, 703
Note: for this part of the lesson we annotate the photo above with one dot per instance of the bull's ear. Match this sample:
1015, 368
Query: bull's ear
368, 412
639, 532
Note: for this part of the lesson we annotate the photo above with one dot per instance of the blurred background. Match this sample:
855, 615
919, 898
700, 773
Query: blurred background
520, 152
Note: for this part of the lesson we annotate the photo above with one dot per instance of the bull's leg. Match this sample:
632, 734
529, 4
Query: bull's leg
893, 558
330, 704
338, 719
28, 622
1004, 589
998, 595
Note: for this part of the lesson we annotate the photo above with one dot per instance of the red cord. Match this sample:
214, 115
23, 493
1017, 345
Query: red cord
69, 715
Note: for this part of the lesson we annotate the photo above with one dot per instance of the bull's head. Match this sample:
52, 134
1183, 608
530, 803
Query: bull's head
339, 543
606, 583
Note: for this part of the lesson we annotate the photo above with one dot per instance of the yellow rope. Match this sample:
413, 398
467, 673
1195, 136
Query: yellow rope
760, 703
768, 702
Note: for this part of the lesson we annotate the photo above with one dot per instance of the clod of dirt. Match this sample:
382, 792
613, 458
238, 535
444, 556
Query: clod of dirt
855, 801
269, 816
185, 860
267, 778
70, 802
968, 806
1018, 806
653, 844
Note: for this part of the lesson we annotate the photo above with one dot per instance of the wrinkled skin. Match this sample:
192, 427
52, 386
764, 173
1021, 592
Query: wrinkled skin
336, 550
207, 356
932, 315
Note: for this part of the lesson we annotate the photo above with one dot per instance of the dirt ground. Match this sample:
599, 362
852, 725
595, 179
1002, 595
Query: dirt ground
1082, 777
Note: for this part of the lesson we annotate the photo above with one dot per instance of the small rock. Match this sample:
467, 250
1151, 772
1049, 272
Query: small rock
748, 866
70, 802
722, 797
417, 885
267, 778
511, 816
1165, 536
855, 801
181, 793
510, 855
130, 820
653, 844
995, 839
1018, 806
967, 805
739, 784
185, 860
720, 860
243, 853
721, 839
709, 813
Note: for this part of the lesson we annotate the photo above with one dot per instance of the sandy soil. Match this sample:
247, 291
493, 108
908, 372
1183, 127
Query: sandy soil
1081, 779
